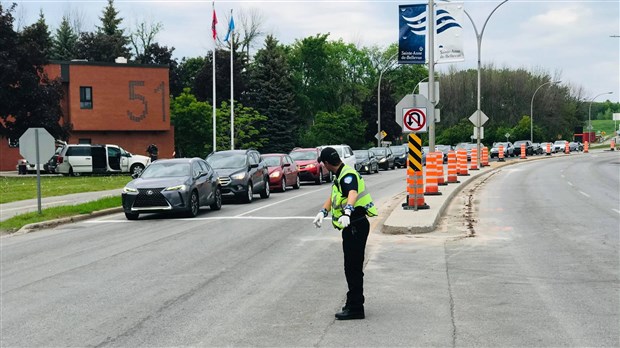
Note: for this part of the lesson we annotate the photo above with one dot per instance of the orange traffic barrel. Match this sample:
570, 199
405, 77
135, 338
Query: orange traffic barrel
548, 149
523, 154
461, 162
612, 145
500, 153
473, 165
586, 146
485, 157
452, 171
441, 179
432, 187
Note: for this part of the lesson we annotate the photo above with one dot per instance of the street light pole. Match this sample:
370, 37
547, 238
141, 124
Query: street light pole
590, 112
379, 101
532, 109
479, 40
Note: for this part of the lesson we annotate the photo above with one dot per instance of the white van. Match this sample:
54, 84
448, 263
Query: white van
77, 159
345, 152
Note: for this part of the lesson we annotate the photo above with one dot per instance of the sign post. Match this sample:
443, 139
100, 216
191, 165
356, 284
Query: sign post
34, 144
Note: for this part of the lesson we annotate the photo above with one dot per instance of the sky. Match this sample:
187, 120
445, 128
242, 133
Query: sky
576, 42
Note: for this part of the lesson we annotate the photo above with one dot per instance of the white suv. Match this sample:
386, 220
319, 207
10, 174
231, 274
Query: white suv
77, 159
345, 152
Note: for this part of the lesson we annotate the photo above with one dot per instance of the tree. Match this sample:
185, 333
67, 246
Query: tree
142, 41
203, 81
191, 124
341, 127
249, 128
29, 98
270, 92
251, 23
64, 41
109, 42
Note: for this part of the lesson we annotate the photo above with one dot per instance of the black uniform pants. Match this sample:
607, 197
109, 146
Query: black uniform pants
354, 245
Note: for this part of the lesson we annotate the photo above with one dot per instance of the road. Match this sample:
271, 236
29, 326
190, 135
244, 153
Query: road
527, 256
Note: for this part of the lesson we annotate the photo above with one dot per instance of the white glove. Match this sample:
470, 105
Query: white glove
344, 220
318, 220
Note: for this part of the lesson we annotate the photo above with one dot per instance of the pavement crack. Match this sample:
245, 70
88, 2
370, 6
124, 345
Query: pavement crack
454, 331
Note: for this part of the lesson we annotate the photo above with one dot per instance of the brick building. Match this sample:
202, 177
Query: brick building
111, 103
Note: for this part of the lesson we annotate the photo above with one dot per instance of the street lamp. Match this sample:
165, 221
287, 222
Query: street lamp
590, 112
379, 100
479, 40
532, 108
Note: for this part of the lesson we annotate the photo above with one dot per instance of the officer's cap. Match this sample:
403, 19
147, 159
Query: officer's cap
330, 155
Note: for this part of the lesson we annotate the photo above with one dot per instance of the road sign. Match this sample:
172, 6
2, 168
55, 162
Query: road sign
381, 135
423, 90
474, 118
475, 136
410, 101
414, 120
36, 140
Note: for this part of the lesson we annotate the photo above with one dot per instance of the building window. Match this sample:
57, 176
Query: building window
86, 97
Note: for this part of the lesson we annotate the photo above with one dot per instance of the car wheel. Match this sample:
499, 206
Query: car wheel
283, 184
194, 205
377, 168
132, 216
319, 179
266, 192
249, 195
217, 203
297, 184
136, 169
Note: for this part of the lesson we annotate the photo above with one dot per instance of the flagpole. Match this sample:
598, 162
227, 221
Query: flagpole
232, 101
213, 23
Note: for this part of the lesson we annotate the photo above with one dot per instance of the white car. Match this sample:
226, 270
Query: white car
345, 152
77, 159
560, 145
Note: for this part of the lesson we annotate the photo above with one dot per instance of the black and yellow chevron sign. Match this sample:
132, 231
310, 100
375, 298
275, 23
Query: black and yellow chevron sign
415, 152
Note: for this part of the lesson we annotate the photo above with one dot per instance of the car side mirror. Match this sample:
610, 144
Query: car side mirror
286, 165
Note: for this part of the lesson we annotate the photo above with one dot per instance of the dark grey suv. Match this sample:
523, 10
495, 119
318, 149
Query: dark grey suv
241, 174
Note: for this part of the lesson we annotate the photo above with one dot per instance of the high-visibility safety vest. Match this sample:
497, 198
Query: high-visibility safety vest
339, 202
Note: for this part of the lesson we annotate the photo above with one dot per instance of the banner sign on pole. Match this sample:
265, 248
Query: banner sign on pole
412, 45
449, 38
412, 34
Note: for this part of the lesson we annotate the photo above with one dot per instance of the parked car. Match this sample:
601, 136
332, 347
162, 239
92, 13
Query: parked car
310, 169
172, 185
559, 145
537, 149
282, 171
575, 146
444, 149
529, 150
400, 155
384, 157
78, 159
543, 146
345, 152
366, 162
241, 173
508, 149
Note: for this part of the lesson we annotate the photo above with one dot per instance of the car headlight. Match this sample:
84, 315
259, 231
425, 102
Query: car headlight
176, 188
238, 176
274, 175
127, 189
382, 160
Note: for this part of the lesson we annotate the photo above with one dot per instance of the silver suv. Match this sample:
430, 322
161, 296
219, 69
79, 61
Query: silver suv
345, 152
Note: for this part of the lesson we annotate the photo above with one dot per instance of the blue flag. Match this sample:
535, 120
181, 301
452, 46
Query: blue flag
231, 27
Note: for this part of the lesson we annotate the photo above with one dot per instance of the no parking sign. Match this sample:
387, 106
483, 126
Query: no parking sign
414, 120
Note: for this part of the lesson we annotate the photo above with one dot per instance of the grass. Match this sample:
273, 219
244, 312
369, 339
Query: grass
15, 223
21, 188
606, 126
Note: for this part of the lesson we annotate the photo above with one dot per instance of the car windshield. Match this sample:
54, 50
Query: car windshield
272, 161
379, 151
304, 155
398, 150
502, 144
166, 170
361, 154
226, 160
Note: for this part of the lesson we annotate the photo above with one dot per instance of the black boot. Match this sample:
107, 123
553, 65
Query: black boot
350, 313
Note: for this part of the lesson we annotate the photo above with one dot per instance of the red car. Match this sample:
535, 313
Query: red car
282, 171
310, 169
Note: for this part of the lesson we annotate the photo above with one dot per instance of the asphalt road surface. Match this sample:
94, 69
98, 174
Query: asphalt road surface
527, 256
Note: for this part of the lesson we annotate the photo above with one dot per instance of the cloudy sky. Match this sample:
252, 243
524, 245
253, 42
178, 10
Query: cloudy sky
577, 41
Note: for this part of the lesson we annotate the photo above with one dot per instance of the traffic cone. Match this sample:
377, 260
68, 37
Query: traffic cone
612, 145
485, 157
415, 190
500, 153
461, 162
586, 146
452, 171
431, 175
523, 154
548, 149
473, 164
566, 148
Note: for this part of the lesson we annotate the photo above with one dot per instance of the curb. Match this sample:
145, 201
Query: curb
53, 223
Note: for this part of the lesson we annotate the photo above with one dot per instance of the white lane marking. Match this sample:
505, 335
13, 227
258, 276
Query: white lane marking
282, 201
570, 183
34, 206
616, 210
585, 194
218, 218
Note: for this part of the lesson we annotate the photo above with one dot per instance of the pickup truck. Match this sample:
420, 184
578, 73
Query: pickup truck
78, 159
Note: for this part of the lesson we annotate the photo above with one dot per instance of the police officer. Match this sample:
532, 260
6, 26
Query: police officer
349, 203
153, 152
